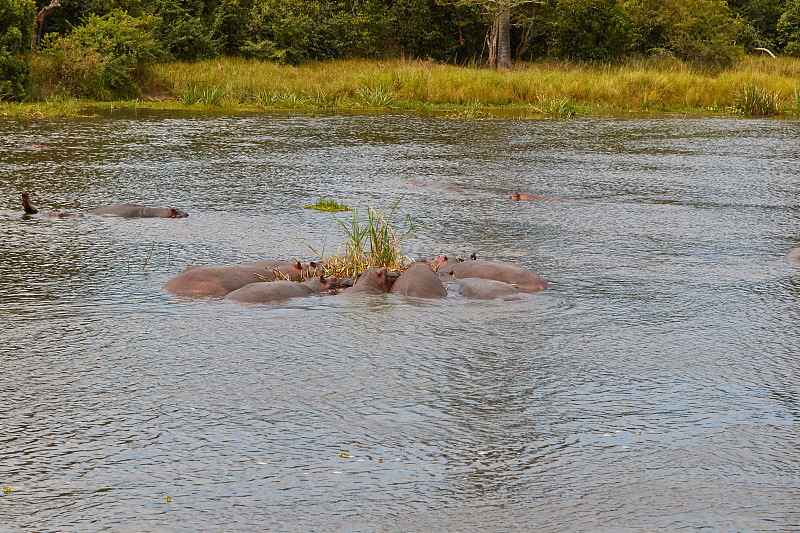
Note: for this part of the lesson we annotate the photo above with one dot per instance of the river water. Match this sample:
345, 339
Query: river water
655, 387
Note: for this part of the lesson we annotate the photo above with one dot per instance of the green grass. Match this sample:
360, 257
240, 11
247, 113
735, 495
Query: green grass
371, 242
543, 89
752, 100
327, 204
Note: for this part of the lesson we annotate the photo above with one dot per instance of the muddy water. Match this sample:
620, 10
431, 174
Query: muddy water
654, 388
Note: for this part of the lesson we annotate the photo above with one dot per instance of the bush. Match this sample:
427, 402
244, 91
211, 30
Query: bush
16, 22
591, 30
105, 57
699, 31
789, 29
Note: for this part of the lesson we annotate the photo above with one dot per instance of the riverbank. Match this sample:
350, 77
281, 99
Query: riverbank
754, 86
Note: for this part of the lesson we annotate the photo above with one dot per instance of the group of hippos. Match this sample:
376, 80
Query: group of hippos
271, 281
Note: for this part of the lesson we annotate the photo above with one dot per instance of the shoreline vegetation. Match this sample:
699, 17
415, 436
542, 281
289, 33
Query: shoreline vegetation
752, 86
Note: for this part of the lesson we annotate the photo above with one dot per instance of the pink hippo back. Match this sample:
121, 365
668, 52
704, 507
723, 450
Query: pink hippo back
219, 280
419, 280
793, 256
138, 211
269, 291
522, 278
372, 281
484, 289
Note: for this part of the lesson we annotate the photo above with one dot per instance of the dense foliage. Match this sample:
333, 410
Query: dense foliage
98, 48
16, 18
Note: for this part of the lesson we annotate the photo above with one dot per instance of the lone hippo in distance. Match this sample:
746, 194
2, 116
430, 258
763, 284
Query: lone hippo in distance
419, 280
484, 289
372, 281
219, 280
522, 278
273, 291
121, 210
793, 256
536, 198
138, 211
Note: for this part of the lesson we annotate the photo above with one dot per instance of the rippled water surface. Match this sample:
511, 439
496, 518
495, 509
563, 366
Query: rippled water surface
655, 387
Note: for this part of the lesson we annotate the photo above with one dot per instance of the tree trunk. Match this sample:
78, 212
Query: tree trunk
504, 38
491, 41
36, 39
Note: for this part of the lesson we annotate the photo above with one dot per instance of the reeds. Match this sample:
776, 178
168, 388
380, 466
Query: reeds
752, 100
373, 242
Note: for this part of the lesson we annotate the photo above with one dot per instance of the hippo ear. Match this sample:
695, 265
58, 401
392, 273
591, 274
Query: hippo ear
322, 279
313, 264
473, 257
299, 266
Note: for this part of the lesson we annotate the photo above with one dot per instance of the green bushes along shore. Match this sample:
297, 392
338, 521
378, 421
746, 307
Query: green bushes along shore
482, 57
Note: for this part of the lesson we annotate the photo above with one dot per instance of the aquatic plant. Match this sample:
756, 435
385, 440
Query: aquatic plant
327, 204
472, 109
373, 242
752, 100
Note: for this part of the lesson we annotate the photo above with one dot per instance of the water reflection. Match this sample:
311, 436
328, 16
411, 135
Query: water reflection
654, 386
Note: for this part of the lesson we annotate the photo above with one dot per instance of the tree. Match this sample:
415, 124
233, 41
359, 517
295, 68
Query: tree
16, 21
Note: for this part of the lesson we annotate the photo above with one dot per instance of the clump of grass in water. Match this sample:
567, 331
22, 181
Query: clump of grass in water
752, 100
557, 107
372, 243
327, 204
472, 109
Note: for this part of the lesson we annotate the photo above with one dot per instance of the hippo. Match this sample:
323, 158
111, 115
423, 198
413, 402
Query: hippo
793, 256
484, 289
536, 198
272, 291
436, 186
219, 280
372, 281
522, 278
419, 280
122, 210
138, 211
445, 264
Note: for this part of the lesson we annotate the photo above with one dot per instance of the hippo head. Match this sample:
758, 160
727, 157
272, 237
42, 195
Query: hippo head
175, 213
514, 196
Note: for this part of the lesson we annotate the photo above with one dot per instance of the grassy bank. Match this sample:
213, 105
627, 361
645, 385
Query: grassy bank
754, 86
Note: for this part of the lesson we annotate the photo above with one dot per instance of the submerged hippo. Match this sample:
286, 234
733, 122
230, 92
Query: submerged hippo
484, 289
536, 198
219, 280
522, 278
138, 211
121, 210
793, 256
372, 281
419, 280
273, 291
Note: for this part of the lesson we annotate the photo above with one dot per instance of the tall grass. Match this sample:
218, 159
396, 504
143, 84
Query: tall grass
373, 242
557, 89
752, 100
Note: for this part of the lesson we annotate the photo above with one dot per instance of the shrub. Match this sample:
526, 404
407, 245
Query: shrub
789, 29
16, 22
592, 30
105, 57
